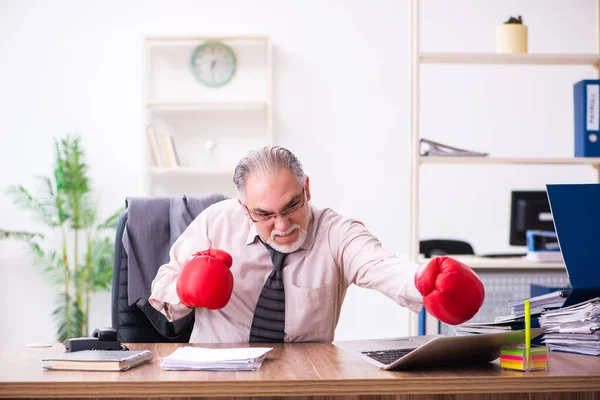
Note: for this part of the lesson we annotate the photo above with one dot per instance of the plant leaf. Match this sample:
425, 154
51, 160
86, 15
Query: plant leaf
69, 322
71, 159
111, 222
24, 199
25, 236
101, 272
50, 264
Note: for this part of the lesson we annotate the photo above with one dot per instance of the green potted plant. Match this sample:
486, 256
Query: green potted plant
80, 262
511, 36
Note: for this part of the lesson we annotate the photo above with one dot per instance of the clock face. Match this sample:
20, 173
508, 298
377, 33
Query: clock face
213, 64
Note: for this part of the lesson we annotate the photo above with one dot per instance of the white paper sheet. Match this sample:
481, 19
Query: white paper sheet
228, 359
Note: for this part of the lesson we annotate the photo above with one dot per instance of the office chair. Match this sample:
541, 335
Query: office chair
440, 247
140, 322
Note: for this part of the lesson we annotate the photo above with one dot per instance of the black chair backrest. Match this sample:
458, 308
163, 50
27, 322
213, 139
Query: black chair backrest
136, 323
439, 247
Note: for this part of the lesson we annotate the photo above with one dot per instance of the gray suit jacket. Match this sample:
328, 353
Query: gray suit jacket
153, 225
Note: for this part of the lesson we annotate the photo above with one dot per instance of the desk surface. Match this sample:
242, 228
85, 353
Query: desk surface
303, 369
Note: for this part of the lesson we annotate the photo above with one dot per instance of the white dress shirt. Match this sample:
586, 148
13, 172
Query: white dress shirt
337, 252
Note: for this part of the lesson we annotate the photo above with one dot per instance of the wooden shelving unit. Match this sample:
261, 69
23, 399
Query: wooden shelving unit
417, 161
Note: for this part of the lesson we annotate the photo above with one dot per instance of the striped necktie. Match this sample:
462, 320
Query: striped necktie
269, 317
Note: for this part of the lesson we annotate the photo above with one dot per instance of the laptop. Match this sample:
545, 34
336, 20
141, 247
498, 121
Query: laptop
434, 350
576, 215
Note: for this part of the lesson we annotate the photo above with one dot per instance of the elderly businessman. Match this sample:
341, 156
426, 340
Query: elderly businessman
270, 267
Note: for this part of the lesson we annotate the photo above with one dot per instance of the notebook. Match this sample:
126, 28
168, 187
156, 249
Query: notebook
99, 360
434, 350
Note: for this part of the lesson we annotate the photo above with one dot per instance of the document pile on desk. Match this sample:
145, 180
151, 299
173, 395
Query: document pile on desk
540, 303
200, 358
514, 321
574, 329
475, 328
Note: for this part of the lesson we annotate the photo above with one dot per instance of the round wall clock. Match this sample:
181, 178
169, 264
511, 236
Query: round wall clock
213, 64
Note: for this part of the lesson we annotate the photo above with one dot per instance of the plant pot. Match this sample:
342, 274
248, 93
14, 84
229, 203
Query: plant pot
511, 38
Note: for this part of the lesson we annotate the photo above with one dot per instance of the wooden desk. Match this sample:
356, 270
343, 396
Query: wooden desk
317, 370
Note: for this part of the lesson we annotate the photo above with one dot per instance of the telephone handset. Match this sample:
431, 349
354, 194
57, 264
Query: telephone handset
102, 339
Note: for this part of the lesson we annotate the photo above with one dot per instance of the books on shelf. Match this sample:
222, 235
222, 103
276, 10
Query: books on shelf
154, 146
99, 360
229, 359
164, 152
168, 146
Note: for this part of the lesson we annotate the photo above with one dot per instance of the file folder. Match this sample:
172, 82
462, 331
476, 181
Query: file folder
576, 213
586, 95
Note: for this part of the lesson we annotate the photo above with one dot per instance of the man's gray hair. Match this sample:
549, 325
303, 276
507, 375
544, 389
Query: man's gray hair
266, 160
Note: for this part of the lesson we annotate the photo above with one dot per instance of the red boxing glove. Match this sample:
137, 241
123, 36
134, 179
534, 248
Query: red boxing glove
451, 291
205, 280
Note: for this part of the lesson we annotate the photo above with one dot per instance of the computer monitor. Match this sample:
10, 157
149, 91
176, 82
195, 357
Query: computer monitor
529, 210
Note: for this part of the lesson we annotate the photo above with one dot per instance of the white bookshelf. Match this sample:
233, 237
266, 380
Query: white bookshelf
416, 161
236, 116
206, 106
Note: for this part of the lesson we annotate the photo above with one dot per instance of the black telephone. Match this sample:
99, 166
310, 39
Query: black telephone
102, 339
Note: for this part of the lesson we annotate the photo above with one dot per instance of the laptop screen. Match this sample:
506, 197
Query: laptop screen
576, 213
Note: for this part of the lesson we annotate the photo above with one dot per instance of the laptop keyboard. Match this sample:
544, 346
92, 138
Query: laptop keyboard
387, 356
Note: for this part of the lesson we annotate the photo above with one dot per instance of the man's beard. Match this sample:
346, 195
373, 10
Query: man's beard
290, 248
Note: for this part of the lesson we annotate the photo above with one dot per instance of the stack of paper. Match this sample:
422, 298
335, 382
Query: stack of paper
199, 358
540, 303
515, 320
431, 148
574, 329
544, 256
483, 327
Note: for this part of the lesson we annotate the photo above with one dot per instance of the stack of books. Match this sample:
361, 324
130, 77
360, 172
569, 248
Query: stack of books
574, 329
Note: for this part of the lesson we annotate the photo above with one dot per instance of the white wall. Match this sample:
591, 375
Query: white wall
341, 104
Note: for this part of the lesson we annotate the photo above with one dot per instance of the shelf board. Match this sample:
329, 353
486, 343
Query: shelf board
189, 171
206, 106
179, 40
510, 160
514, 59
475, 262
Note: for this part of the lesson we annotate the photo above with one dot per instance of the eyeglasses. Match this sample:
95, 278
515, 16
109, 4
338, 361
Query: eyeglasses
264, 217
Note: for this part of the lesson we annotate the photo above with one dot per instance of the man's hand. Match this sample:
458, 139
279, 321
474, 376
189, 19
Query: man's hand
451, 291
205, 280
